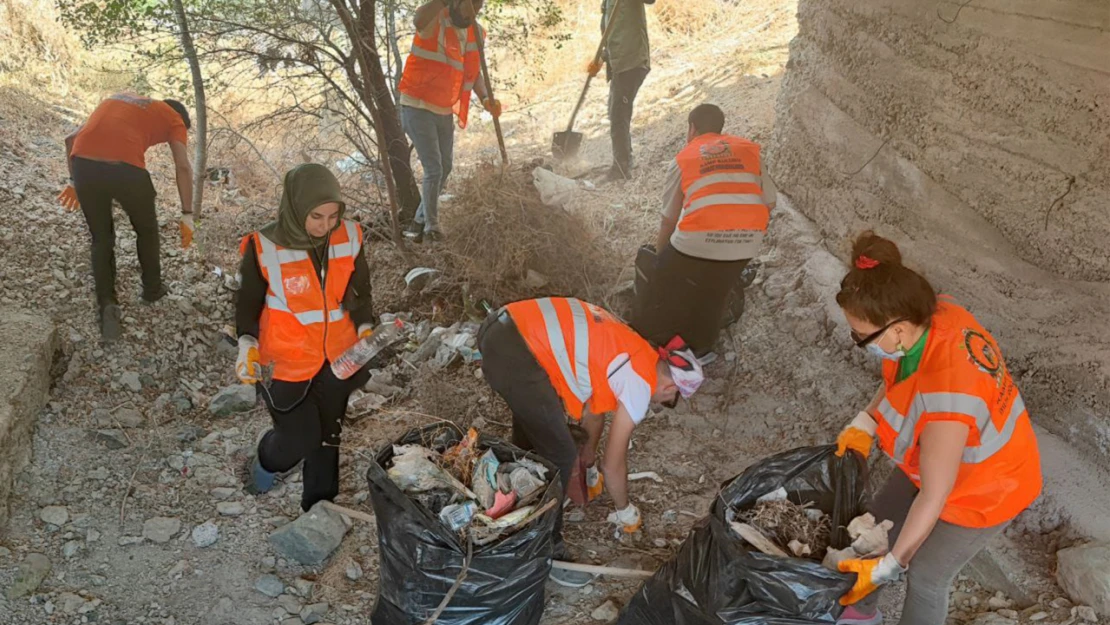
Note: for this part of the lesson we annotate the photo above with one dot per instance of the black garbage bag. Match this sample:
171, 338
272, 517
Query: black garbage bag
718, 579
421, 558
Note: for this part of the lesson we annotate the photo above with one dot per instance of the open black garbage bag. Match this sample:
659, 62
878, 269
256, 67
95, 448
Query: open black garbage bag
421, 558
718, 579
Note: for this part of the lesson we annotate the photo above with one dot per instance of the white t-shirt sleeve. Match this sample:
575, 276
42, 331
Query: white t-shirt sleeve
631, 389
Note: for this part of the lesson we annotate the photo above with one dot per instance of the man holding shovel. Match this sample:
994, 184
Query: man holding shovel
555, 356
441, 70
627, 62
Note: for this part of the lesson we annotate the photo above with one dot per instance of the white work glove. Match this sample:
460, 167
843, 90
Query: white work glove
628, 519
365, 330
870, 574
248, 365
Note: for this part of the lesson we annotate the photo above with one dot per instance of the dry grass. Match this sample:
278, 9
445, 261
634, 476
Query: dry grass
500, 230
783, 521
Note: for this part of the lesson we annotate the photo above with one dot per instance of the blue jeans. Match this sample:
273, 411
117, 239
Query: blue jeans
433, 136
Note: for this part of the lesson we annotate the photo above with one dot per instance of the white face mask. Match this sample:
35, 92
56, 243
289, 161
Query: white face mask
875, 350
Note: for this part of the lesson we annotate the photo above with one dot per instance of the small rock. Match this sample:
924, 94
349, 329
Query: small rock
290, 604
670, 516
211, 476
130, 380
1085, 612
998, 601
99, 473
70, 603
112, 439
1059, 603
175, 462
269, 585
190, 433
1084, 573
92, 536
178, 569
268, 564
233, 399
71, 548
128, 418
1039, 616
223, 492
660, 542
607, 611
1010, 614
314, 613
293, 621
34, 568
161, 529
574, 515
54, 515
205, 534
990, 618
5, 553
311, 538
354, 571
125, 541
230, 508
303, 587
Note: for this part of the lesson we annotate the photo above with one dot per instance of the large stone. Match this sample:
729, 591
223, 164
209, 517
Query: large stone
34, 568
28, 341
233, 399
54, 515
312, 537
269, 585
205, 534
161, 529
1084, 573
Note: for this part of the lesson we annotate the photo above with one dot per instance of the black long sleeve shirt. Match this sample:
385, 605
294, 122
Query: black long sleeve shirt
358, 299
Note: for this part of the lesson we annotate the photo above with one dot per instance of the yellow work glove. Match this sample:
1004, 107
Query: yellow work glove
870, 574
627, 519
248, 366
859, 436
187, 228
593, 68
493, 106
365, 330
595, 483
68, 198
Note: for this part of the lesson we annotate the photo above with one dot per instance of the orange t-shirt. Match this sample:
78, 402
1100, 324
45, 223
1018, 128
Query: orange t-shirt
124, 126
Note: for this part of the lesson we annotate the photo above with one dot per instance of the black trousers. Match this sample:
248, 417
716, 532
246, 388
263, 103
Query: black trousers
687, 297
623, 88
539, 419
308, 421
97, 184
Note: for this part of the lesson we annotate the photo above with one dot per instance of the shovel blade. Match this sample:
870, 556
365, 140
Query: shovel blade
565, 144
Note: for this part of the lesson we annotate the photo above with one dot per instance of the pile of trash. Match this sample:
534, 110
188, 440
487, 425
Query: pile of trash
469, 489
465, 529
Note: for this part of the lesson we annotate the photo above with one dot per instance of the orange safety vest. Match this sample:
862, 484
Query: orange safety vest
302, 324
438, 70
963, 378
575, 342
723, 204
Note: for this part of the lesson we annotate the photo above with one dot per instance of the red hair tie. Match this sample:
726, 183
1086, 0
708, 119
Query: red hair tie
864, 262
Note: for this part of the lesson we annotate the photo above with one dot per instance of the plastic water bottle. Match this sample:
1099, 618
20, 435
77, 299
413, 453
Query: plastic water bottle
365, 349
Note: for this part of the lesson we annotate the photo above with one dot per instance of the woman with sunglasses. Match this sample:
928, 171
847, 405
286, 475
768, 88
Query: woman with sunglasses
952, 420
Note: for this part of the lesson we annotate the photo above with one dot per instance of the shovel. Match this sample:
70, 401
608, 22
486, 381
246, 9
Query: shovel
489, 89
565, 144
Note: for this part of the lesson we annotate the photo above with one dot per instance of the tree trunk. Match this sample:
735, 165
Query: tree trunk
200, 160
395, 50
393, 136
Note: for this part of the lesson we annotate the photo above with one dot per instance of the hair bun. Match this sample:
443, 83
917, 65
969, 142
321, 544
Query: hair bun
871, 250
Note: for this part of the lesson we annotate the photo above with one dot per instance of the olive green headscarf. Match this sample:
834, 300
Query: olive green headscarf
306, 187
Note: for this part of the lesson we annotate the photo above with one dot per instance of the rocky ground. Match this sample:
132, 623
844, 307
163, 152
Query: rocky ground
133, 510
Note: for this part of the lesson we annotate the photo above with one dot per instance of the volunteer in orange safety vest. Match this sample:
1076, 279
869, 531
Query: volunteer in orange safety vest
950, 417
556, 356
441, 70
304, 300
716, 205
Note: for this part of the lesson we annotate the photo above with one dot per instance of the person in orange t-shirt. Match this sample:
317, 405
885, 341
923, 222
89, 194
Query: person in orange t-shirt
107, 161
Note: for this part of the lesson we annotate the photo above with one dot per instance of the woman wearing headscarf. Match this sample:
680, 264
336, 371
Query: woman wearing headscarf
305, 299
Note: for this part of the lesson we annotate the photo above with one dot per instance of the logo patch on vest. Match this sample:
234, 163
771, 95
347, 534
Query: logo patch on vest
983, 355
717, 149
295, 285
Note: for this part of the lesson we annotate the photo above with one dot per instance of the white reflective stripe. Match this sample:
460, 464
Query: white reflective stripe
705, 181
578, 384
348, 249
890, 415
436, 56
956, 403
725, 199
274, 303
269, 259
990, 439
352, 236
310, 317
472, 46
468, 86
291, 256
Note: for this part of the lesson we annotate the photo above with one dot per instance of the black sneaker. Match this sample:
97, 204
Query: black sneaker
413, 229
151, 297
435, 236
110, 326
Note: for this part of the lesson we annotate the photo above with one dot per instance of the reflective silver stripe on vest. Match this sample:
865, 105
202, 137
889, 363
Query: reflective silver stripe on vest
351, 247
271, 261
718, 199
440, 55
705, 181
291, 256
578, 377
990, 439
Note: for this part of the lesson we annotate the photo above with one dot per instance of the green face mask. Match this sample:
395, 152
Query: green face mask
306, 187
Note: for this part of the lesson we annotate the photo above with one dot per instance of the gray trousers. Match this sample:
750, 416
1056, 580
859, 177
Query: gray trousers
935, 566
433, 136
